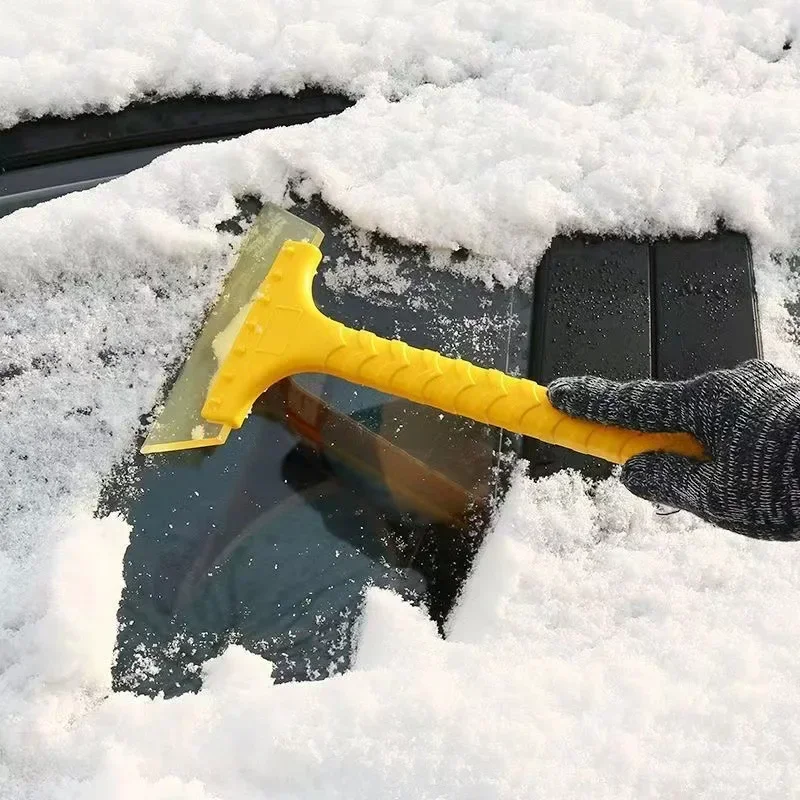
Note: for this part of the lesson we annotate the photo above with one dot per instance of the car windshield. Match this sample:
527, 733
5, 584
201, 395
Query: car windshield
271, 540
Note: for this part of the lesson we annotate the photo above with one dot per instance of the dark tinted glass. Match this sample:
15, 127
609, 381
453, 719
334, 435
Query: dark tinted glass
271, 540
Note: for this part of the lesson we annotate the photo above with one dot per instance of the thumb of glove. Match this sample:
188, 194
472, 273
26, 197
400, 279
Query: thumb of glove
669, 479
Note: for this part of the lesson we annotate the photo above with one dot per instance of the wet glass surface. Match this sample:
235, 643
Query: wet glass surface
270, 540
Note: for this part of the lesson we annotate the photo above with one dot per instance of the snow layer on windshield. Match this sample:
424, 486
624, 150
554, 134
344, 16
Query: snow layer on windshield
599, 650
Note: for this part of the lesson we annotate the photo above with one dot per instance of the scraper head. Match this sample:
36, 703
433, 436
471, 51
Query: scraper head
180, 425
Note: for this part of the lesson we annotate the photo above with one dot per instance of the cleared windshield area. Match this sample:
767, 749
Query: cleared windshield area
271, 540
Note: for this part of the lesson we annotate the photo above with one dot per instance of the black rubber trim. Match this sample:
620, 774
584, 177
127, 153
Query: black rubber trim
623, 309
704, 299
162, 122
591, 315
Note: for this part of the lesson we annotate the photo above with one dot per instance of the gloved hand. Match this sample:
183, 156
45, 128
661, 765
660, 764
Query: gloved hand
748, 419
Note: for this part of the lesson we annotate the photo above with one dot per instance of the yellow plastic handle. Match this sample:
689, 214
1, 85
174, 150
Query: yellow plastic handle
285, 334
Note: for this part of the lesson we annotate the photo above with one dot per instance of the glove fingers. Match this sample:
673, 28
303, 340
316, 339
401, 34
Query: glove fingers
643, 405
673, 480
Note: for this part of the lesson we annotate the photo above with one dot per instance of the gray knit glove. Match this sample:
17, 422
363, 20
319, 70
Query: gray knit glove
748, 419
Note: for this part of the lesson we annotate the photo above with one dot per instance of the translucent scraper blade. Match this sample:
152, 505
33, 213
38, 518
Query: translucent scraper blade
179, 425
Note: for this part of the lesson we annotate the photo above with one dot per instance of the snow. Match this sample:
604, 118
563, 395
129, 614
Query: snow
599, 650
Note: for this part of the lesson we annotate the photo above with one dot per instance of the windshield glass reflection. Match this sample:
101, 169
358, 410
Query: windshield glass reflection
271, 540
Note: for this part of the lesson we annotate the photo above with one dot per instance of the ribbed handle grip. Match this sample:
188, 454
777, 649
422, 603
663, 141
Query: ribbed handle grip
488, 396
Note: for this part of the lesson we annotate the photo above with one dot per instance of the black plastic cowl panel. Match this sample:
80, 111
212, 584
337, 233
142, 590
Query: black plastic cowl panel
624, 310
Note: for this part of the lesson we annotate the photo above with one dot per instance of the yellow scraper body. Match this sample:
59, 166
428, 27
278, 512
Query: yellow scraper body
275, 330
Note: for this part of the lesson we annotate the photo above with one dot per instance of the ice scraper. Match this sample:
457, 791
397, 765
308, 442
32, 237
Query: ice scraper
266, 327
